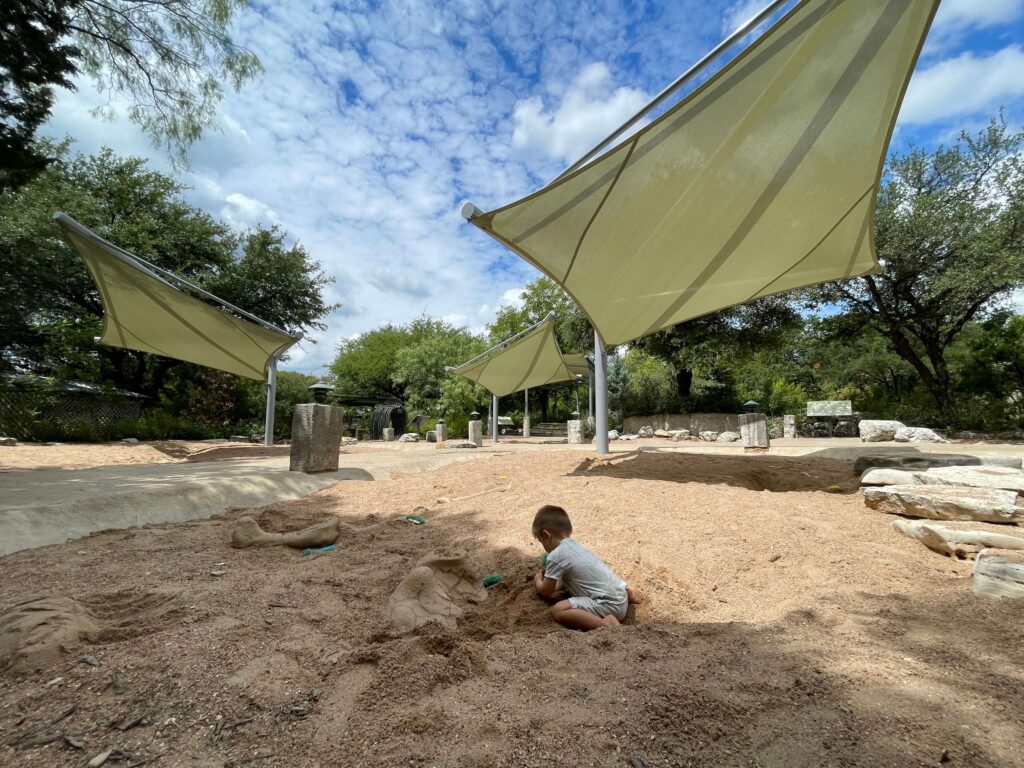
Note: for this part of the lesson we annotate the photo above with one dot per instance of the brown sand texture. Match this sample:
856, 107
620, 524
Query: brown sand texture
783, 624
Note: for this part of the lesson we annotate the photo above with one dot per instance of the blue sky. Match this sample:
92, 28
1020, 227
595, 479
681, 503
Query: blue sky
374, 121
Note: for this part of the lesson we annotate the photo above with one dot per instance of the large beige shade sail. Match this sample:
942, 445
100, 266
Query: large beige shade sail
761, 181
530, 360
144, 312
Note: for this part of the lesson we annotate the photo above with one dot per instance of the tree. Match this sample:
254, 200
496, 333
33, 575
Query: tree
170, 58
35, 55
365, 364
420, 365
49, 308
540, 298
950, 236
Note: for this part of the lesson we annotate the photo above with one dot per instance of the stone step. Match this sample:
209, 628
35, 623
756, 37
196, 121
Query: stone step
1006, 478
923, 461
999, 573
942, 502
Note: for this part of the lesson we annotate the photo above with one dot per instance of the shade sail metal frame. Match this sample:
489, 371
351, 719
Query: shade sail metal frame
131, 289
761, 181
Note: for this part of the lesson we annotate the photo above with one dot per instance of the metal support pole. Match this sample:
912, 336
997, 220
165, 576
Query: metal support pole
590, 393
268, 423
494, 418
600, 394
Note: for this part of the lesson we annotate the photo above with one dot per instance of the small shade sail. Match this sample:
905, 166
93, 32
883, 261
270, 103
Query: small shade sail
761, 181
144, 312
532, 360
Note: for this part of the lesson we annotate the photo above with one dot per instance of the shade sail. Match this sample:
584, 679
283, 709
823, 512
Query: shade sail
761, 181
143, 312
532, 360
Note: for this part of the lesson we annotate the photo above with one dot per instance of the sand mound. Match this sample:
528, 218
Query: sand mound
41, 630
432, 590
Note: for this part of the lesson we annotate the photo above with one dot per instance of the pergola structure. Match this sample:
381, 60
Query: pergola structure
760, 181
145, 309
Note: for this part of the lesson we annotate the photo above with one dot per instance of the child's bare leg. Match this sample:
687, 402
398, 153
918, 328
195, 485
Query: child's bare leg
632, 596
577, 618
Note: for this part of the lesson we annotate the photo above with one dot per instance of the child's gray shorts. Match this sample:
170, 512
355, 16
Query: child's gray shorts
601, 607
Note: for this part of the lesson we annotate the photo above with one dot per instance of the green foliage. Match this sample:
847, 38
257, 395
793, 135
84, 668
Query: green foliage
540, 298
251, 403
420, 365
949, 229
35, 56
649, 384
365, 364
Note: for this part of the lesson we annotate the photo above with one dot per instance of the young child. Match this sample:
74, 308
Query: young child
598, 598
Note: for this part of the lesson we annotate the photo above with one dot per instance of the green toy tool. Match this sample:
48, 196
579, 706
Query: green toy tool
491, 580
543, 559
416, 519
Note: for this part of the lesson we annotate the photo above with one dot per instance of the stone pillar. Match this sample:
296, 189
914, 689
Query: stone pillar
476, 430
754, 431
575, 430
789, 426
389, 434
442, 431
316, 438
526, 425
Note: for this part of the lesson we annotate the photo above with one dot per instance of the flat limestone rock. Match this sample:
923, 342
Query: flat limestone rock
458, 444
957, 542
999, 573
922, 461
1005, 478
876, 431
886, 476
918, 435
940, 502
433, 590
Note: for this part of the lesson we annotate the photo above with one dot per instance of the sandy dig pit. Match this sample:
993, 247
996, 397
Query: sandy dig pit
782, 625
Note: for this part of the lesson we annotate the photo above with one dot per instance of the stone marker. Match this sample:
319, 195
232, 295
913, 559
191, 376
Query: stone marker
476, 433
789, 426
918, 435
9, 441
526, 425
574, 428
442, 431
431, 436
941, 502
754, 431
999, 573
876, 431
316, 438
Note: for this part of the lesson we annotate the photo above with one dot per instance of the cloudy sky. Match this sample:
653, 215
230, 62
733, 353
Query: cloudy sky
374, 122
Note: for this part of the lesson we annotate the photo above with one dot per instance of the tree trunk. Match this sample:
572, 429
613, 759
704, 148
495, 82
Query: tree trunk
684, 382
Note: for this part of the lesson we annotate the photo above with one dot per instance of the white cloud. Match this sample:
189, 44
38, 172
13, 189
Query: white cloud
244, 211
964, 14
739, 13
589, 111
964, 85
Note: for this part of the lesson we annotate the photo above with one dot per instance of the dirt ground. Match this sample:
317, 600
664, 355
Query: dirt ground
783, 624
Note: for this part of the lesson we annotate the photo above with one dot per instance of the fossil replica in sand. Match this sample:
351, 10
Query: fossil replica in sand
431, 591
955, 542
248, 533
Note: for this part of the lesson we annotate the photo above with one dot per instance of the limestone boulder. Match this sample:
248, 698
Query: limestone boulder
458, 444
940, 502
662, 433
627, 437
921, 462
878, 431
888, 476
975, 477
918, 435
727, 437
999, 573
679, 435
613, 434
349, 441
8, 441
409, 437
957, 540
646, 431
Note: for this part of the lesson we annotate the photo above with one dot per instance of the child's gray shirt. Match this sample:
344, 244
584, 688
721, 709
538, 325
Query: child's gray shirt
583, 573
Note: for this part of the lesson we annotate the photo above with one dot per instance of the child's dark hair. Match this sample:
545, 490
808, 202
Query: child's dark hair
552, 518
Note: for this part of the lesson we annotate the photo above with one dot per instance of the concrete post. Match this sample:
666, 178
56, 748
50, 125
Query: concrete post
600, 394
789, 426
574, 428
494, 418
476, 431
754, 432
316, 438
389, 434
526, 415
442, 431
